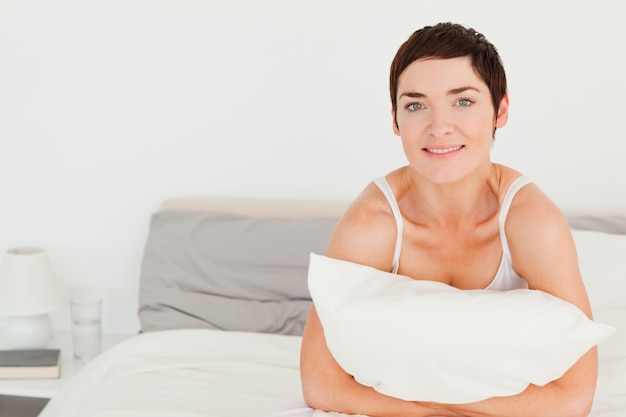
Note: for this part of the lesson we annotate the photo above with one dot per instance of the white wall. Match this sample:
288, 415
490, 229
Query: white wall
109, 107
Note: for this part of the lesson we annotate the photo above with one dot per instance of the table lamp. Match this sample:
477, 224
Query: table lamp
29, 290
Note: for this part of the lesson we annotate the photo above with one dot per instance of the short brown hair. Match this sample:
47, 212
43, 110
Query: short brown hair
449, 40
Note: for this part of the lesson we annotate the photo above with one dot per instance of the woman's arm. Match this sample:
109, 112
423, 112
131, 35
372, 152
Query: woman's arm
363, 236
569, 396
544, 253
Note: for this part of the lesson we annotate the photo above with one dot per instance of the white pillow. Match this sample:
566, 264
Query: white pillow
602, 261
428, 341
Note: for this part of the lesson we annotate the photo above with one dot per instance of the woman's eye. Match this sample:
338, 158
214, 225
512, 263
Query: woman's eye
415, 106
464, 102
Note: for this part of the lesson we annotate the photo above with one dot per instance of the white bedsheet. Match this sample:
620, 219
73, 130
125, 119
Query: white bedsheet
212, 373
186, 373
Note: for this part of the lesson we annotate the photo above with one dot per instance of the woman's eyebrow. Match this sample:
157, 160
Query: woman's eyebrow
460, 90
412, 95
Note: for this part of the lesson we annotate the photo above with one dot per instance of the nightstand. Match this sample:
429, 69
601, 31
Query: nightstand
13, 392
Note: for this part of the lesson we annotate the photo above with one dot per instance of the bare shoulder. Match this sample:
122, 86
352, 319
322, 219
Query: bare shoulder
366, 232
533, 213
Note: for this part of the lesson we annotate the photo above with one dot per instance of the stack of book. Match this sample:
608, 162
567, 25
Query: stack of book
30, 363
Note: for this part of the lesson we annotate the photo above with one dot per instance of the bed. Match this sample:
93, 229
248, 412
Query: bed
224, 298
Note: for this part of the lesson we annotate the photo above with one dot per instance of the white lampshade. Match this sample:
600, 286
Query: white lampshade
28, 285
29, 290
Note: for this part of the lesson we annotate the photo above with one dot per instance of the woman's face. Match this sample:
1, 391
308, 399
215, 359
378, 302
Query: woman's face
445, 118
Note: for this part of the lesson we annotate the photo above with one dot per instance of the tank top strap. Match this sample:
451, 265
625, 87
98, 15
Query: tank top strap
515, 186
384, 186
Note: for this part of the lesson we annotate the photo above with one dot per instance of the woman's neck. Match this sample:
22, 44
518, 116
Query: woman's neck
472, 200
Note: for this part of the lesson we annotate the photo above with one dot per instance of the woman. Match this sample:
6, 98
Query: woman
440, 218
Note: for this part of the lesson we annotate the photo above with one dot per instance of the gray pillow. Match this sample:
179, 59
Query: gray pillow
222, 271
606, 224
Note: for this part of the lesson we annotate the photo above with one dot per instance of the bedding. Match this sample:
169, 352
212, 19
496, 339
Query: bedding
185, 372
185, 365
602, 260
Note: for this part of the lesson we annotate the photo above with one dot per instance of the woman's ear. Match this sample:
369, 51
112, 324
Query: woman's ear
502, 115
396, 129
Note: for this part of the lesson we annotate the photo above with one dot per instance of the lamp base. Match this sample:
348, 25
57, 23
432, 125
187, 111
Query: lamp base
28, 332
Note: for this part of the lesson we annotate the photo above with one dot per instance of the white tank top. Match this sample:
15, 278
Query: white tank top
506, 278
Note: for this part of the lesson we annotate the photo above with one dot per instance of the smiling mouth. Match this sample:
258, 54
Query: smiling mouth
442, 151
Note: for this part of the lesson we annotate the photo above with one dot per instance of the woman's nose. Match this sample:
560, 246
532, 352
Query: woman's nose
441, 124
